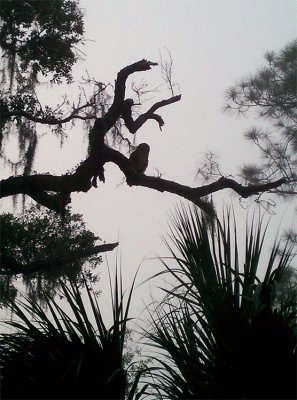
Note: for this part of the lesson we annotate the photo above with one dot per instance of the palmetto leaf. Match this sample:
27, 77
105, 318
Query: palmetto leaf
215, 329
62, 354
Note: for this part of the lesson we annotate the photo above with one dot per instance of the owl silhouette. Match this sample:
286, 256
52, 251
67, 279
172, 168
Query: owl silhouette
139, 157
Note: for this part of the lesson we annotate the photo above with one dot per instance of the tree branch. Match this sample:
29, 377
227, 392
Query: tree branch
46, 120
190, 193
67, 184
54, 191
115, 110
50, 120
133, 126
243, 191
13, 267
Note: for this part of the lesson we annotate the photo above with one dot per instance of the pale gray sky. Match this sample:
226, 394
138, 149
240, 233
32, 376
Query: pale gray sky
213, 44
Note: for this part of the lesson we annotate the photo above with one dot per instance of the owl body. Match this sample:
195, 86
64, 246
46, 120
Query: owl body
139, 158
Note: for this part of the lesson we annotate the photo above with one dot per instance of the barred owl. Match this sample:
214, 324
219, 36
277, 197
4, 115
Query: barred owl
139, 157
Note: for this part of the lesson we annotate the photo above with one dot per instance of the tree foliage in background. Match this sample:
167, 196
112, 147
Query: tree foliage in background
41, 37
42, 248
222, 332
38, 39
272, 94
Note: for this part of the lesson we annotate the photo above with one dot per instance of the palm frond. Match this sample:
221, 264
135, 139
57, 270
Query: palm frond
64, 354
216, 324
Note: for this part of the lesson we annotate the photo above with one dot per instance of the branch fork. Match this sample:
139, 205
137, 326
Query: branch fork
54, 192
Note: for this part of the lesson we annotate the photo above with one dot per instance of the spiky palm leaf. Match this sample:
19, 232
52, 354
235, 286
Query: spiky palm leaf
56, 355
217, 332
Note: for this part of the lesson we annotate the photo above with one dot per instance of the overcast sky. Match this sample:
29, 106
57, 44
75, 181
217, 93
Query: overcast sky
213, 43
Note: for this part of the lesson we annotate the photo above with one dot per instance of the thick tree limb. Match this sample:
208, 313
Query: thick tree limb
68, 183
187, 192
50, 191
115, 110
54, 191
32, 184
13, 267
133, 126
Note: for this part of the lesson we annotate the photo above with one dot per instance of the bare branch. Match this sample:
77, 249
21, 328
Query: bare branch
49, 120
133, 126
166, 70
48, 115
115, 110
40, 184
243, 191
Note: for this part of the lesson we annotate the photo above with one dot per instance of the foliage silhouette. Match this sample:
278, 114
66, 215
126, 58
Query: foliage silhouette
272, 93
63, 354
218, 332
38, 39
42, 248
41, 36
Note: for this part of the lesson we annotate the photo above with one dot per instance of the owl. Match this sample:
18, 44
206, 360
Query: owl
139, 157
